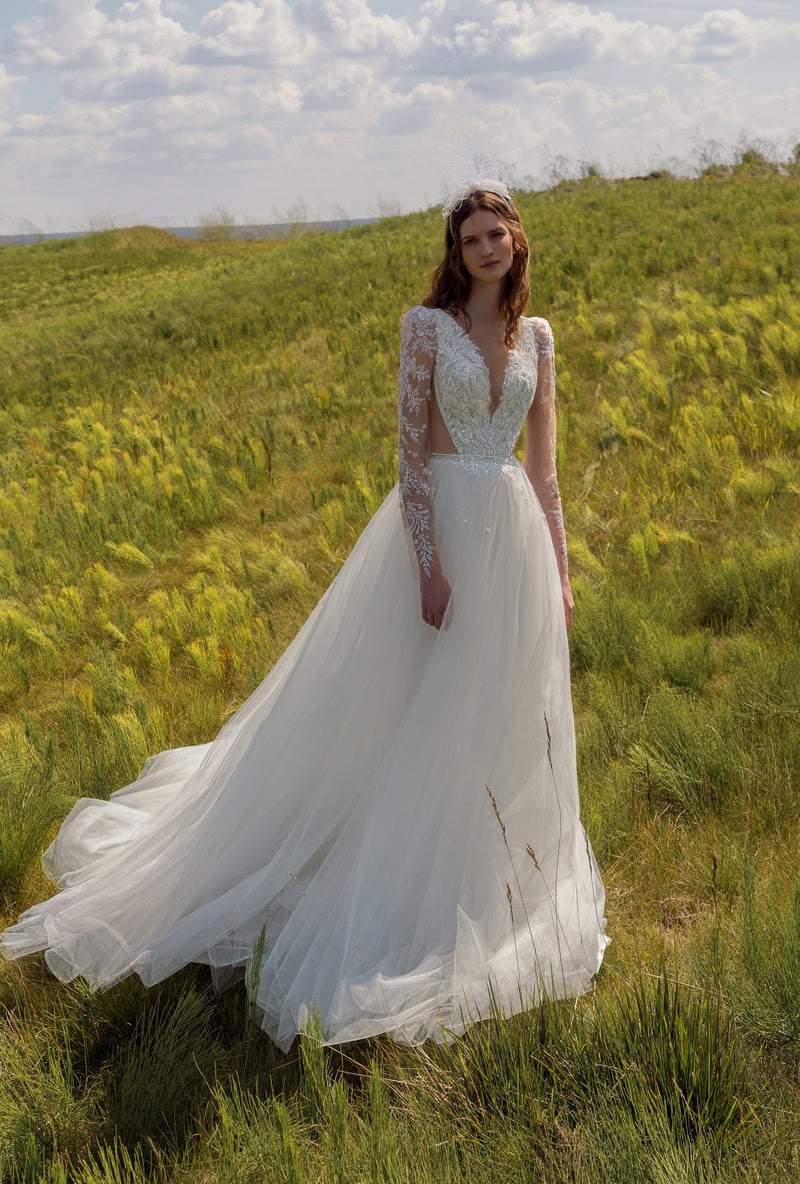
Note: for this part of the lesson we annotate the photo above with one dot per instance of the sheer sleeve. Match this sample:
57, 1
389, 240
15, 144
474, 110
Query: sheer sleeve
417, 357
540, 442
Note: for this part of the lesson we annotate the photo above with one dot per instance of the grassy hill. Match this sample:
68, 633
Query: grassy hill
192, 436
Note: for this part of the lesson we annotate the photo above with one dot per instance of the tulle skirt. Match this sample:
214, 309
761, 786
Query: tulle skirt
390, 820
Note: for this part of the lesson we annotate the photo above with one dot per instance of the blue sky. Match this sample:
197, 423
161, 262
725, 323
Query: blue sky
121, 111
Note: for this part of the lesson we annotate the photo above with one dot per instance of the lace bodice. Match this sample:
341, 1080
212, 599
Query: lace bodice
463, 390
438, 359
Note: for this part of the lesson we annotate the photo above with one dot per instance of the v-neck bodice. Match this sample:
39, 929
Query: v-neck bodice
463, 389
438, 360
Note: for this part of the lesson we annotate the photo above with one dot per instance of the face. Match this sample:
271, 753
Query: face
486, 246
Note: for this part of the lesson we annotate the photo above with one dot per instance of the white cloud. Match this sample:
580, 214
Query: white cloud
93, 119
328, 97
243, 30
343, 85
10, 86
205, 141
727, 33
65, 33
350, 26
553, 35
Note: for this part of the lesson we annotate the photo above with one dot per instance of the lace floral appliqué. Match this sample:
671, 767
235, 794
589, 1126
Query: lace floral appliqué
417, 357
435, 352
540, 441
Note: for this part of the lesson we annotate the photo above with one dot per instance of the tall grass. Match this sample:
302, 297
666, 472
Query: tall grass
765, 991
192, 436
29, 799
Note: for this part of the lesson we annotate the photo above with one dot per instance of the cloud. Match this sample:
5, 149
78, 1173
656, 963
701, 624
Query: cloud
139, 53
246, 31
410, 112
350, 27
325, 93
726, 34
92, 119
65, 33
343, 85
10, 87
551, 36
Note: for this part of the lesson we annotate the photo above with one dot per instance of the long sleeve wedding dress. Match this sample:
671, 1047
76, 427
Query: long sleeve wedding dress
342, 815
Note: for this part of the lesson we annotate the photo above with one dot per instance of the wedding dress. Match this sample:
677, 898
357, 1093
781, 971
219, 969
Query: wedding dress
341, 820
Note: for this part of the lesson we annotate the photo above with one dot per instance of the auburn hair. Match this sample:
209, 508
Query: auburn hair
451, 281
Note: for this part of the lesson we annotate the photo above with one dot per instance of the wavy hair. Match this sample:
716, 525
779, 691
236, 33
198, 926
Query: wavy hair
451, 281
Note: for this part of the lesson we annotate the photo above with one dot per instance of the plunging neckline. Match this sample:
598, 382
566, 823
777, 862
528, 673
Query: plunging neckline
482, 359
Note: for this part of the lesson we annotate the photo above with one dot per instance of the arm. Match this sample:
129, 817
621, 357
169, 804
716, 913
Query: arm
417, 357
540, 455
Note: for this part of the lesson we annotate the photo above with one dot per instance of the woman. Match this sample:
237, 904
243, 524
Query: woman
340, 822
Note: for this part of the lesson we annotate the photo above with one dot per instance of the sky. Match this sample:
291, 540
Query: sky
172, 112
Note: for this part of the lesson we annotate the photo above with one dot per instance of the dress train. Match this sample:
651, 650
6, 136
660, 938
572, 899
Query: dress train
343, 811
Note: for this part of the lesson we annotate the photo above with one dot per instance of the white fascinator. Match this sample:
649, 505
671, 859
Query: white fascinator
452, 203
473, 173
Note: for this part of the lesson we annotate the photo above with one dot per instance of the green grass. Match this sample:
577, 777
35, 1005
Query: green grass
192, 436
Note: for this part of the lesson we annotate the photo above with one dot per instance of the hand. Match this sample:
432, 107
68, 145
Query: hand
435, 593
569, 603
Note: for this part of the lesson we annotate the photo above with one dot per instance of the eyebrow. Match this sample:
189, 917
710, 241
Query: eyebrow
471, 234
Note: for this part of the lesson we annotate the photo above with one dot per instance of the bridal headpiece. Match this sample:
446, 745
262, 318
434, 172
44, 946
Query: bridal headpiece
455, 199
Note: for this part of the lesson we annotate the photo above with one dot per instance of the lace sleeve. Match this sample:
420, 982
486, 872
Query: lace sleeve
540, 442
417, 356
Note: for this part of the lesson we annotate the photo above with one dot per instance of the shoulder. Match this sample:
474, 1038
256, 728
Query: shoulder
420, 317
542, 335
419, 323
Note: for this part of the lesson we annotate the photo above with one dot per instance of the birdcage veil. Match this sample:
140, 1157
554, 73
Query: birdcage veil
470, 172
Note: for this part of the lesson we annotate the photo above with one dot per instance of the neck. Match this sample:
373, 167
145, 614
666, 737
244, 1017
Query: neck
483, 302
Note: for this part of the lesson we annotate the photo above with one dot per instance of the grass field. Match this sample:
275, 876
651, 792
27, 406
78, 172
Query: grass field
192, 436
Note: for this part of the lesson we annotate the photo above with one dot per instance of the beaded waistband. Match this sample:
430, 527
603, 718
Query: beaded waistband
476, 461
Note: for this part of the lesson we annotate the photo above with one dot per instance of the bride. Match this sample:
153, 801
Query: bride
391, 819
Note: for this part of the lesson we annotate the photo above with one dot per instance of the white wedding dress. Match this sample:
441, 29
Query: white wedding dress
342, 815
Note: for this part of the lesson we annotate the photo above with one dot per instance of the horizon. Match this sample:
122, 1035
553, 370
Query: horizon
218, 222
